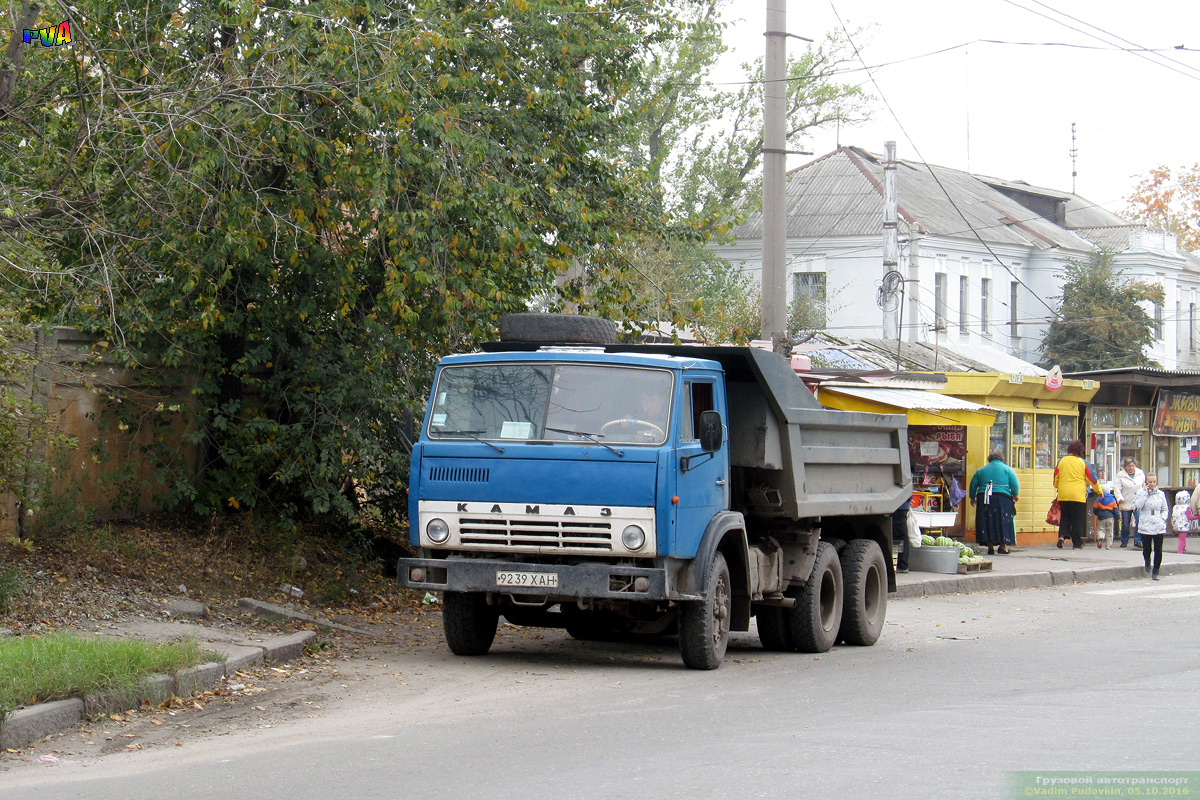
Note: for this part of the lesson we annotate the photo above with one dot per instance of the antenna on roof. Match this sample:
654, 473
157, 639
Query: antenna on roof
1074, 153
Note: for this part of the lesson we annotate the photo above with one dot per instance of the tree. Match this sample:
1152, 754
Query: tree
1170, 202
302, 204
1101, 323
702, 146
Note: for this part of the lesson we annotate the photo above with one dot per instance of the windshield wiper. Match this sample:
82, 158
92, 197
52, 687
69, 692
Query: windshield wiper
591, 437
472, 435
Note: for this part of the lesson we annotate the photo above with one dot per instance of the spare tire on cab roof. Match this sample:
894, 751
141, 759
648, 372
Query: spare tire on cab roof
557, 328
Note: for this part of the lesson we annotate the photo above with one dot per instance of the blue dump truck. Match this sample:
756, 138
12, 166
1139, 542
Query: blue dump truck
614, 489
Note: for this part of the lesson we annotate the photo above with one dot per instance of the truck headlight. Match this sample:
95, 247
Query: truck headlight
633, 537
437, 530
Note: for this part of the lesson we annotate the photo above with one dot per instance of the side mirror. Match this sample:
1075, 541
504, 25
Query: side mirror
711, 431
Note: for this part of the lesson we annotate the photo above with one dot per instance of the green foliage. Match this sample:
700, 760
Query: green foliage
702, 146
12, 583
300, 206
1101, 323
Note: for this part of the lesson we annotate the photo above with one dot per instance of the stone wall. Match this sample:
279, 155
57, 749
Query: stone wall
125, 430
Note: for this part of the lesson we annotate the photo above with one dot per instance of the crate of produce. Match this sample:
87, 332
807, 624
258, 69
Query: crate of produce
933, 558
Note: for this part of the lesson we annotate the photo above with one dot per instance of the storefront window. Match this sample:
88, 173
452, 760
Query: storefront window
998, 435
1068, 431
1104, 417
1044, 452
1131, 447
1162, 460
1133, 418
1189, 458
1105, 455
1022, 441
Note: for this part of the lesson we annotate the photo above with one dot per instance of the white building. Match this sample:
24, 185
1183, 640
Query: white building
982, 258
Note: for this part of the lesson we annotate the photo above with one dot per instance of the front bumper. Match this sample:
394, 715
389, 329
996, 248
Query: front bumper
596, 581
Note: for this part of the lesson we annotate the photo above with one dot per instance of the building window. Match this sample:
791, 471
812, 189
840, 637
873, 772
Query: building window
1158, 321
939, 299
985, 307
1192, 327
808, 289
1012, 310
964, 305
1022, 441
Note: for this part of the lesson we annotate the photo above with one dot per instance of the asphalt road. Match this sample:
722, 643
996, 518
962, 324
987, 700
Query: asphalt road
961, 691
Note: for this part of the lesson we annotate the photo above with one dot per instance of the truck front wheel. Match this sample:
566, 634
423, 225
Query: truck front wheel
469, 623
704, 626
865, 604
817, 616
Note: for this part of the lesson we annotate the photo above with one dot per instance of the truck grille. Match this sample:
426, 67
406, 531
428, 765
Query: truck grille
459, 474
539, 533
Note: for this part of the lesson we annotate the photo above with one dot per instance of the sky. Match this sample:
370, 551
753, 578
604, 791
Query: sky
1006, 110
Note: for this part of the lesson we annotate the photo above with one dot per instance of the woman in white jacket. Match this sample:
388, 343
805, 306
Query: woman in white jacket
1130, 481
1154, 507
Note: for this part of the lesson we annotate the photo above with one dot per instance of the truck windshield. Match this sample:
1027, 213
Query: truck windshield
552, 403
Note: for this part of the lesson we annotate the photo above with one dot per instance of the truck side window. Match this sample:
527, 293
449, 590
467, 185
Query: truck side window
697, 398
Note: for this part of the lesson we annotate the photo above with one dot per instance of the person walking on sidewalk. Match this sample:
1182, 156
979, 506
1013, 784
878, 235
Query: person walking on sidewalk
1072, 478
1105, 510
1154, 507
1130, 481
994, 490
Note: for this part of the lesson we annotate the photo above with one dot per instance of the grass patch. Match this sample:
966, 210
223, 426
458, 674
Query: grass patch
62, 665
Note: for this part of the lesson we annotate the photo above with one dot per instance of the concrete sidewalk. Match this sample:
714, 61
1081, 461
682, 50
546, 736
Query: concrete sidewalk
235, 651
1027, 567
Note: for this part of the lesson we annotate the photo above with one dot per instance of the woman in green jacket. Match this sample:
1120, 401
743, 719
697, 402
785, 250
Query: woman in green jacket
993, 491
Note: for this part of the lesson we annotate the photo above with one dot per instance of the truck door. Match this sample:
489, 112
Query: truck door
703, 489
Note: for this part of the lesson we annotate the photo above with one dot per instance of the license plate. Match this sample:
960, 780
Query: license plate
528, 580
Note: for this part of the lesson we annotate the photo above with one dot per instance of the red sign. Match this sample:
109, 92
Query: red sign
938, 448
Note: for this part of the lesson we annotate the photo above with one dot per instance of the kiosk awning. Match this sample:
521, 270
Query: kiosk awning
923, 408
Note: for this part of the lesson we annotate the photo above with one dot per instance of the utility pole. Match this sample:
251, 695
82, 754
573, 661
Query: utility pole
774, 290
891, 236
914, 280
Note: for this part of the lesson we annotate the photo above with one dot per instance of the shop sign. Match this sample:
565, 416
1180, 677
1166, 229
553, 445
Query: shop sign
937, 448
1054, 378
1177, 414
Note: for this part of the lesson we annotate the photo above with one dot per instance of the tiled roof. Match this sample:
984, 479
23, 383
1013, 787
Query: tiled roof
841, 194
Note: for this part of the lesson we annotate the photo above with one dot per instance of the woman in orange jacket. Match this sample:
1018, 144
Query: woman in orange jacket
1072, 478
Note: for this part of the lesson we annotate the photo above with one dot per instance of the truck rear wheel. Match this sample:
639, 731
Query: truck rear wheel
864, 606
817, 616
469, 623
773, 630
704, 626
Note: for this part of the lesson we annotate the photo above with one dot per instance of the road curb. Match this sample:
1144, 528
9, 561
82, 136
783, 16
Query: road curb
998, 581
264, 608
25, 725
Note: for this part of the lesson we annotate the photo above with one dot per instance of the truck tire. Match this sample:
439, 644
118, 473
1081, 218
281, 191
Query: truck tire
864, 606
468, 622
704, 626
564, 328
773, 630
817, 616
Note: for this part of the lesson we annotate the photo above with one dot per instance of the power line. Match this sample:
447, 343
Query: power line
1140, 52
